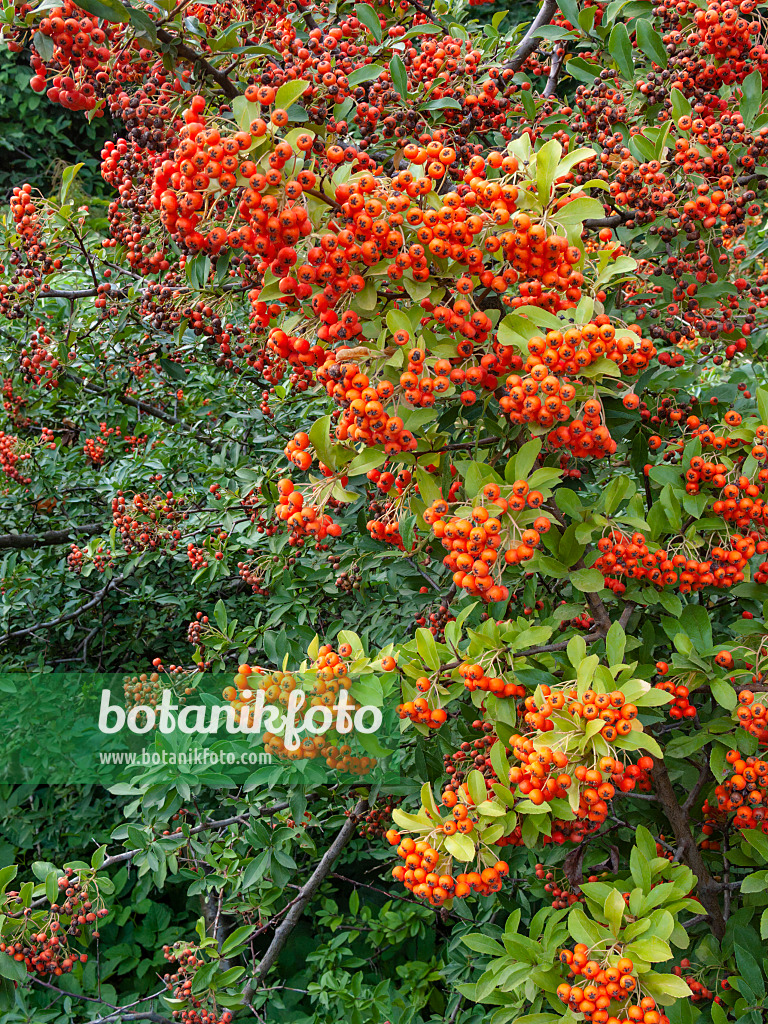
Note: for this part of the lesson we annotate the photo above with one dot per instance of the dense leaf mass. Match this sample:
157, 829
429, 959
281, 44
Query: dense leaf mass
413, 367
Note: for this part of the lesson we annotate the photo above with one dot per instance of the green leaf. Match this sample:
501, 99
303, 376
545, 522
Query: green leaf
762, 404
12, 969
43, 44
615, 642
579, 210
589, 581
427, 648
582, 929
756, 882
461, 847
670, 603
749, 970
107, 10
724, 693
652, 949
399, 76
288, 93
52, 886
757, 840
429, 488
476, 785
483, 944
696, 623
366, 14
549, 566
752, 94
547, 159
143, 24
680, 105
612, 496
397, 320
366, 73
222, 267
570, 10
620, 49
319, 436
220, 615
613, 909
7, 875
238, 938
526, 457
68, 176
650, 42
370, 458
203, 977
640, 868
444, 103
583, 70
174, 371
665, 988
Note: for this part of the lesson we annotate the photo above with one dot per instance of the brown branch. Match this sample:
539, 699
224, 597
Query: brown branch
689, 852
322, 196
322, 870
96, 599
48, 538
186, 52
610, 222
530, 40
555, 67
705, 774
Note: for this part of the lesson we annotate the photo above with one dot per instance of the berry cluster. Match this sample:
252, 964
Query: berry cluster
427, 872
188, 961
475, 543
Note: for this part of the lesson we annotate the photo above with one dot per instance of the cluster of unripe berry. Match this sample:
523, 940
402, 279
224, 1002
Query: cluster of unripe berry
147, 690
374, 824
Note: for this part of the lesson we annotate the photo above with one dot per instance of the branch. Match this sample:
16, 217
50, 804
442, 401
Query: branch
323, 197
238, 819
610, 222
704, 776
555, 67
49, 537
689, 851
187, 53
530, 40
560, 645
96, 599
322, 870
